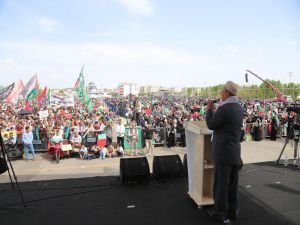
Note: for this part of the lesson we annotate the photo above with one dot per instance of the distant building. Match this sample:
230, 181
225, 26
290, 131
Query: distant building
149, 89
125, 89
92, 90
176, 90
162, 92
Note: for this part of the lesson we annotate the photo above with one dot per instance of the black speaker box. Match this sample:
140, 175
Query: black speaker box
167, 166
134, 170
3, 165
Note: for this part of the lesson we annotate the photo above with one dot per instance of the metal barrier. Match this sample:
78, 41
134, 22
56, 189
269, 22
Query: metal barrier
160, 137
40, 145
265, 129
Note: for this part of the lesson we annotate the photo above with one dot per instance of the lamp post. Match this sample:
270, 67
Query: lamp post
290, 84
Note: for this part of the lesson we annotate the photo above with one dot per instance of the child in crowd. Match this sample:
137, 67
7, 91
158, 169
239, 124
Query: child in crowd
120, 150
110, 151
83, 152
94, 150
103, 152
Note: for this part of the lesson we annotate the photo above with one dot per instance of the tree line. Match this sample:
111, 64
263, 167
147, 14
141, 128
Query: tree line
262, 91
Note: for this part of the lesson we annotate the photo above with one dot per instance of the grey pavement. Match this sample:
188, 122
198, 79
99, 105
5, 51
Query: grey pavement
43, 168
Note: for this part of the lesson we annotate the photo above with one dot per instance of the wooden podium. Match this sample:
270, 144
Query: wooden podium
200, 163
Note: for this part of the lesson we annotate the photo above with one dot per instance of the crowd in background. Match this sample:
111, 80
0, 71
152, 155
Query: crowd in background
262, 118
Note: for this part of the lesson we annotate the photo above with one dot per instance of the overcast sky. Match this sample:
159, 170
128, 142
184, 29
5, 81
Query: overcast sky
156, 42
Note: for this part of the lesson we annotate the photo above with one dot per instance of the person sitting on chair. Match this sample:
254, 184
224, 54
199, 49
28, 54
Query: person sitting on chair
56, 139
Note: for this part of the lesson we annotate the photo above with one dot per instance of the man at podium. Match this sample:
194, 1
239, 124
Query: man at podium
226, 123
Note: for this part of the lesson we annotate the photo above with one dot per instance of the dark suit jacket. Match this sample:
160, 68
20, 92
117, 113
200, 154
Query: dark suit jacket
226, 123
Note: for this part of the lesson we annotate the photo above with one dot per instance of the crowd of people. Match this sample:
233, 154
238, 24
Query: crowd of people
75, 124
138, 121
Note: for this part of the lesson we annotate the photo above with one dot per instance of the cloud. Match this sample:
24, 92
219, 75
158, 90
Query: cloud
139, 7
58, 65
47, 25
231, 48
104, 34
290, 42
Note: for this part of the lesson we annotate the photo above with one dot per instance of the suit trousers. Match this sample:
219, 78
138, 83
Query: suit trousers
226, 188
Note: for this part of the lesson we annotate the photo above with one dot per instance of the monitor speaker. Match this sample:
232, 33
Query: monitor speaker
167, 166
134, 170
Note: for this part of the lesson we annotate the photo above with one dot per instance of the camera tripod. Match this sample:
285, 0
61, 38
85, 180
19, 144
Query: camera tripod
296, 143
10, 167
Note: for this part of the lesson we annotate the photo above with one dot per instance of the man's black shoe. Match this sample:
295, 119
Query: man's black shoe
233, 214
217, 216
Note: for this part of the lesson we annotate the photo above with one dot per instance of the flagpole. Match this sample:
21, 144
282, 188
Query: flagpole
49, 97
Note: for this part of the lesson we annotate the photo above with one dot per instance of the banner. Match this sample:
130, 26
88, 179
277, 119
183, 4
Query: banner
7, 134
43, 114
62, 101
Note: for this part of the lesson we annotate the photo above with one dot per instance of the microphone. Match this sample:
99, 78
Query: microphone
246, 77
215, 100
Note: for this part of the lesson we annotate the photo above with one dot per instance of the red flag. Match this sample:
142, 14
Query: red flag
42, 95
27, 106
14, 95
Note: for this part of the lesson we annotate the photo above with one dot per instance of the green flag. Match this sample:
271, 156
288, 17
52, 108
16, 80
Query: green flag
32, 94
80, 86
88, 103
153, 101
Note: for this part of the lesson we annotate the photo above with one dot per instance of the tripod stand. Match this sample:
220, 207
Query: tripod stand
296, 143
10, 167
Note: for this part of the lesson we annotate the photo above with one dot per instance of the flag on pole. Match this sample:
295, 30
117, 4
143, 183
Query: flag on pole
42, 96
49, 96
5, 92
28, 92
27, 106
88, 103
80, 85
13, 97
153, 101
32, 94
81, 91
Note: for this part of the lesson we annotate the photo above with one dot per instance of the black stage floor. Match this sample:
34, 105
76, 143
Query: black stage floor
268, 195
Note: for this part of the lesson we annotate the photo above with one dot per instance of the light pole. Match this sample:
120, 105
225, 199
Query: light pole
290, 84
290, 75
